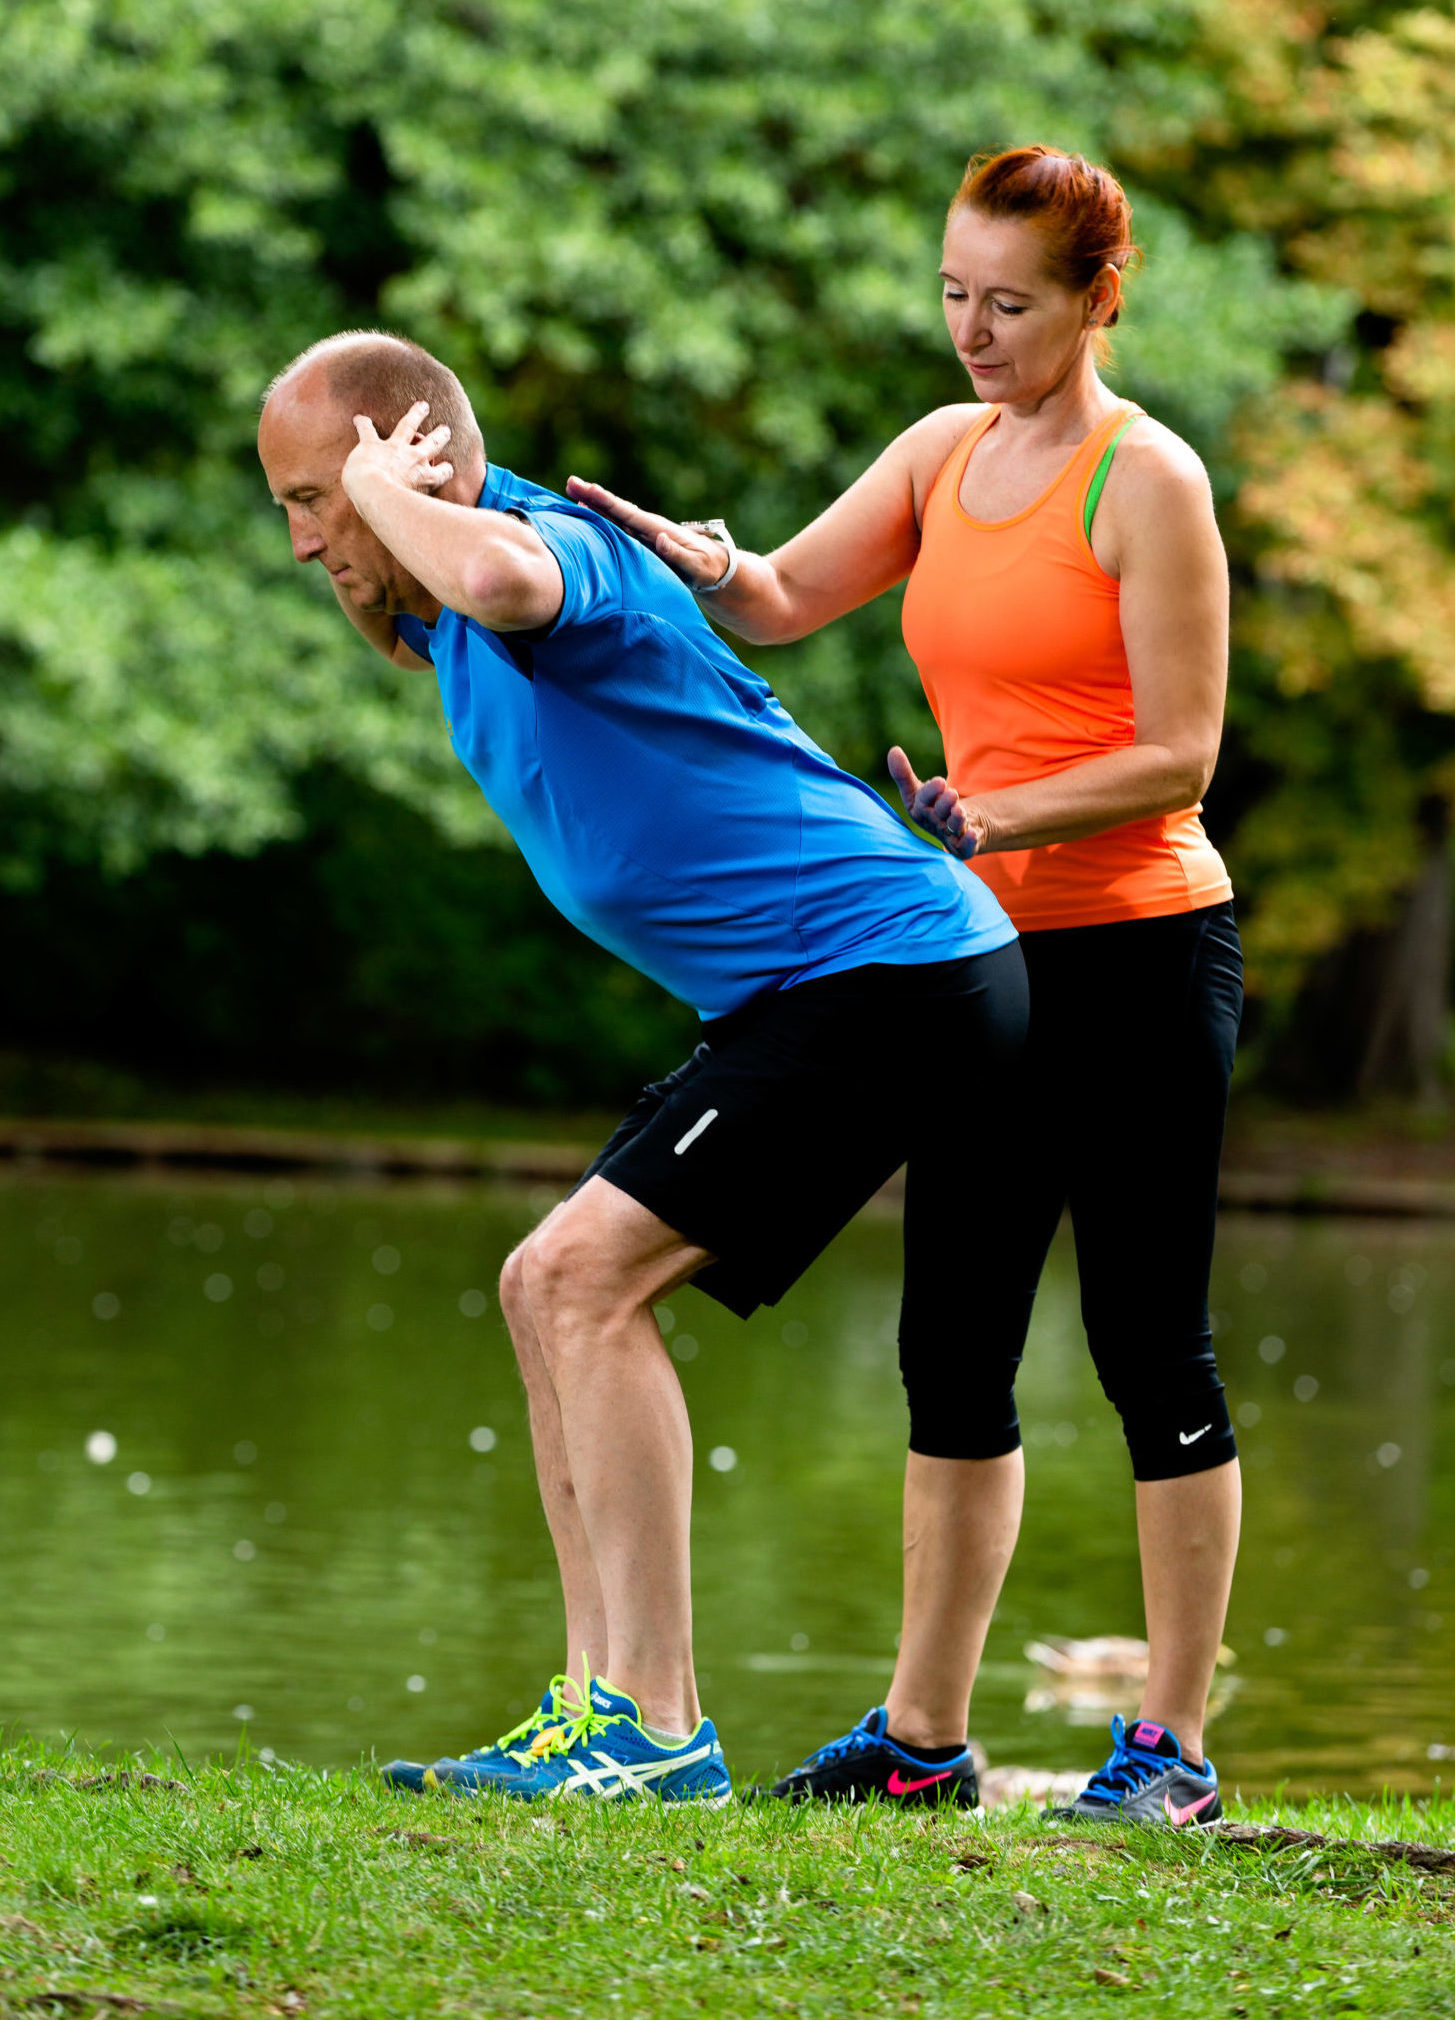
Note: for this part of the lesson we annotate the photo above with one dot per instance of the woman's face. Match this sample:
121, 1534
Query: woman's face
1018, 332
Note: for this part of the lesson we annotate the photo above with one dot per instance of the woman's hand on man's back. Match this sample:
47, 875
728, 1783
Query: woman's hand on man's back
935, 805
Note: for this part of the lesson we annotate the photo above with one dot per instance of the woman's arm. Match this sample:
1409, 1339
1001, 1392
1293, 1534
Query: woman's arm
863, 544
1156, 530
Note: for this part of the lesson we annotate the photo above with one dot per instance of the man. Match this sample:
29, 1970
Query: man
859, 988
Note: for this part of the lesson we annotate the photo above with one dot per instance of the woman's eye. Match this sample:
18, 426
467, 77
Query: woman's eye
954, 294
1008, 308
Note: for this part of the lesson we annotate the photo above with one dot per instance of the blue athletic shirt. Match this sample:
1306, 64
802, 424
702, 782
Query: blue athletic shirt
663, 797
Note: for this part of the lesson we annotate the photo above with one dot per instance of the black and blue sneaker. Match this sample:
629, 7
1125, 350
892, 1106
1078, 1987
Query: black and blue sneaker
1145, 1781
867, 1762
483, 1765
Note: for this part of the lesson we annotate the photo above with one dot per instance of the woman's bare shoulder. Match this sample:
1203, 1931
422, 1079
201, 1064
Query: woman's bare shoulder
926, 446
1154, 464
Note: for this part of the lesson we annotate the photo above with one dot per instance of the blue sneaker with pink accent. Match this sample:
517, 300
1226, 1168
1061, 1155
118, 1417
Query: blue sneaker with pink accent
1145, 1781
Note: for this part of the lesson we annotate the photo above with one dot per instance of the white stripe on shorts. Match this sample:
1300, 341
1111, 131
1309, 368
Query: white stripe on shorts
696, 1130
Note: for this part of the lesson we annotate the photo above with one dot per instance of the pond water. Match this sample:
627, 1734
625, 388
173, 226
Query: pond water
264, 1463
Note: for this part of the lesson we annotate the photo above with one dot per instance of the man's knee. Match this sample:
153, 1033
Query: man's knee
595, 1263
514, 1302
559, 1270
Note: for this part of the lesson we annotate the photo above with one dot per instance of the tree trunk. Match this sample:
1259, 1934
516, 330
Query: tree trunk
1407, 1031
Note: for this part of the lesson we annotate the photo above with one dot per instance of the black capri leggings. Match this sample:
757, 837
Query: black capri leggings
1116, 1111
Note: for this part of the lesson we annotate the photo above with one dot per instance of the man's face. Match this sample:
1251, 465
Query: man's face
304, 439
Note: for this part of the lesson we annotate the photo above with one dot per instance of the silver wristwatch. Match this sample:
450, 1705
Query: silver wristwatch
716, 529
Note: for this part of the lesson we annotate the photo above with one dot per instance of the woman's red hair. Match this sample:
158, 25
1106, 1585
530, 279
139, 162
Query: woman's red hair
1080, 210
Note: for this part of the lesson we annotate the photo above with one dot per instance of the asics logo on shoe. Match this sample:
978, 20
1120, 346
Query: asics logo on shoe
1185, 1815
899, 1787
610, 1777
1191, 1437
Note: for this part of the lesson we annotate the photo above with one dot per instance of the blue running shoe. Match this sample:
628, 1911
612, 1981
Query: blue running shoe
483, 1764
605, 1753
1145, 1781
867, 1762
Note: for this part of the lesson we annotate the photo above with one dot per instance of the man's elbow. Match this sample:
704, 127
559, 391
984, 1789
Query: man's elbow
509, 593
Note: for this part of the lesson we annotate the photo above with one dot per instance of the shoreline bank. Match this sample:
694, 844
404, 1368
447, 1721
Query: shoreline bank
1292, 1186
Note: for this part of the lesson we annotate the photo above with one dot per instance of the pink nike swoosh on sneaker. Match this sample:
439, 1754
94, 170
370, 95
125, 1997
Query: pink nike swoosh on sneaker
898, 1787
1185, 1816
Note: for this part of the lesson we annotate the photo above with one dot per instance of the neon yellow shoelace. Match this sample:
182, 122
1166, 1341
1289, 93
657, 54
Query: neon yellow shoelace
521, 1737
584, 1724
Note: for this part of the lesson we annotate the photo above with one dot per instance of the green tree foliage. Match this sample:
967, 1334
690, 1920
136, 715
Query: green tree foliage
689, 247
1333, 138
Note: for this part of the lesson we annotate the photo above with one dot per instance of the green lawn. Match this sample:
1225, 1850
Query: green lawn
249, 1890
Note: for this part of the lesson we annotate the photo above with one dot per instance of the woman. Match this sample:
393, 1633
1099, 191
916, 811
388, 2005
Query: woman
1067, 610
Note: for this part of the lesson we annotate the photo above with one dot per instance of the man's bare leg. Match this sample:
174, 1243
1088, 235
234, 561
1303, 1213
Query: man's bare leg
1188, 1529
580, 1587
591, 1274
961, 1519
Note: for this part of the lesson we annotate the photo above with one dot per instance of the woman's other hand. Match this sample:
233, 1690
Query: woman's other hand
695, 557
935, 806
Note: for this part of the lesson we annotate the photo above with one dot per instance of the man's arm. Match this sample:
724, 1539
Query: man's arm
485, 565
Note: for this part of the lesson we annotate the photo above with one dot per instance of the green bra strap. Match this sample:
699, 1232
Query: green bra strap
1093, 496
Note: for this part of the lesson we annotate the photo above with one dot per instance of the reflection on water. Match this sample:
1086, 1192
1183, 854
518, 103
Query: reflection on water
263, 1459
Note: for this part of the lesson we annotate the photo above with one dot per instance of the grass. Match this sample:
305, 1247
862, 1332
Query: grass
249, 1890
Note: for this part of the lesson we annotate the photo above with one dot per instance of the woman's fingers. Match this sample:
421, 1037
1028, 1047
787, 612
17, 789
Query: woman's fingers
621, 511
695, 557
902, 772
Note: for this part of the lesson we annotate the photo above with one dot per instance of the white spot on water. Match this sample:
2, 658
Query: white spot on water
722, 1458
415, 1683
387, 1260
1389, 1454
139, 1483
1271, 1349
244, 1551
483, 1439
101, 1448
1306, 1388
379, 1318
474, 1304
105, 1304
218, 1288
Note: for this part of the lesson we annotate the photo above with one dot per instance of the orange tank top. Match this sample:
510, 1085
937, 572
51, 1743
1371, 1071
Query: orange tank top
1016, 632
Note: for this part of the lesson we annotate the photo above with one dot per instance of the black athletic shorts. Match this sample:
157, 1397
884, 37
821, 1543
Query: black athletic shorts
794, 1110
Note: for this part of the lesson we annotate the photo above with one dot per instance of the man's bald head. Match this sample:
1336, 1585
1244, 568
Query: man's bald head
306, 435
376, 373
